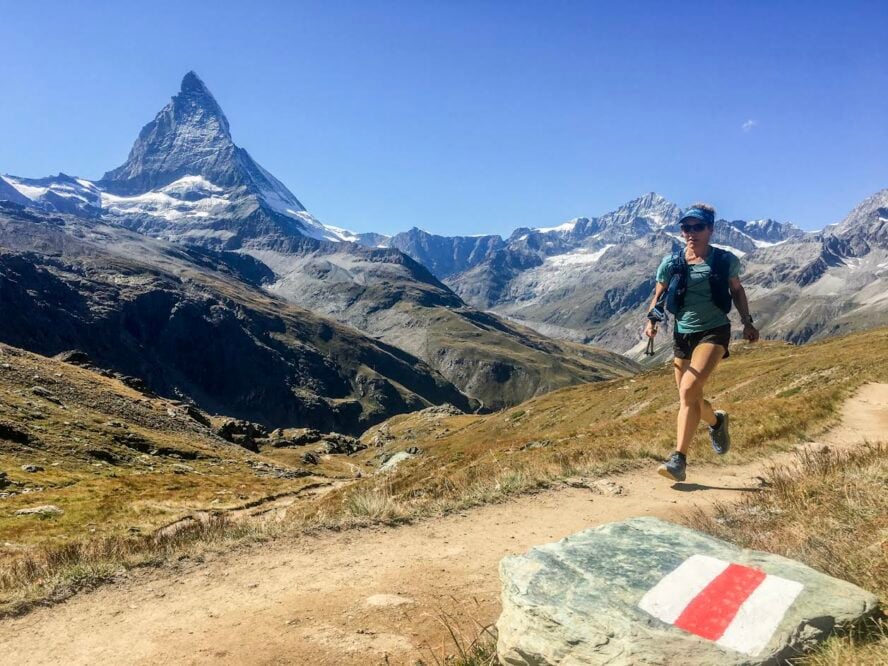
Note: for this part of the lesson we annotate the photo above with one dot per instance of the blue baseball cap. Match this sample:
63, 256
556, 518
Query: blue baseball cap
698, 214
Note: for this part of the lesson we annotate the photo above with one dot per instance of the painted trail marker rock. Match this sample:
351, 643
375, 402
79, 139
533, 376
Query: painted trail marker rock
645, 591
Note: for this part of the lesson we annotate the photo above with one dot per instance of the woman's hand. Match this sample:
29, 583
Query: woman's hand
750, 333
650, 330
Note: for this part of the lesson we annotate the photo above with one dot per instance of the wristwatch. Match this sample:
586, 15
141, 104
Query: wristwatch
746, 320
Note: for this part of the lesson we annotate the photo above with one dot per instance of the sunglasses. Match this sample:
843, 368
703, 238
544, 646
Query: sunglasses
693, 228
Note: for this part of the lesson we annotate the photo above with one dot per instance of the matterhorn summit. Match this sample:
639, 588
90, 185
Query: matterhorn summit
184, 180
189, 137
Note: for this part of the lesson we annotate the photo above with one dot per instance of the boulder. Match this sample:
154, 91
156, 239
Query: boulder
645, 591
31, 469
14, 433
45, 393
393, 461
311, 458
74, 357
242, 433
135, 383
442, 410
295, 437
338, 443
44, 510
195, 414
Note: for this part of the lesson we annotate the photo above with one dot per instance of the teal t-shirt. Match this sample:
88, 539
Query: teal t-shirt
698, 312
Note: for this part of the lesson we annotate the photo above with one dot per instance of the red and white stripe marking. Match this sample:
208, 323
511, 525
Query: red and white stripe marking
735, 606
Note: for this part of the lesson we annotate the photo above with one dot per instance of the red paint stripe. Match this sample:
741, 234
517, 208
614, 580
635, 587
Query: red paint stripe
711, 611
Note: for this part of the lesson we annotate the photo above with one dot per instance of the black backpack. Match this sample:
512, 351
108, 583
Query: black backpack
718, 280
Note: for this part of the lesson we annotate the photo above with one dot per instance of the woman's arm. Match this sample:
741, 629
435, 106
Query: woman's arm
738, 295
650, 329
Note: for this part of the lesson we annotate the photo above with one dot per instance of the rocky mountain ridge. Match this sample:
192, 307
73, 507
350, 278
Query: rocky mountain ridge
195, 324
590, 279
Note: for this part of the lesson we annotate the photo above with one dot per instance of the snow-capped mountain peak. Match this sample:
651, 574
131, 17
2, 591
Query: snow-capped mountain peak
62, 193
867, 225
184, 179
563, 228
189, 136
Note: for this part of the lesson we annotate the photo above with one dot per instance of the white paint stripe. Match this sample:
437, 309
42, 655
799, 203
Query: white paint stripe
668, 598
760, 615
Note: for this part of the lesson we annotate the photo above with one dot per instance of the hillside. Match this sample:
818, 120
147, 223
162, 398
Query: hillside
195, 324
778, 394
123, 465
367, 596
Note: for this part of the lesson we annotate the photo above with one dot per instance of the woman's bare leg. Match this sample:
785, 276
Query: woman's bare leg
690, 391
707, 414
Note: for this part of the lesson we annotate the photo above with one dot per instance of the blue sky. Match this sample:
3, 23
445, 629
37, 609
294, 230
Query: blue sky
473, 117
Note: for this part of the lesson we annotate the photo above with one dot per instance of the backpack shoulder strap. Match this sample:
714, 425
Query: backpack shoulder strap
721, 260
678, 260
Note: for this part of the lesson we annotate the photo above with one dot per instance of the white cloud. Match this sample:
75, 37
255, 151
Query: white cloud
749, 125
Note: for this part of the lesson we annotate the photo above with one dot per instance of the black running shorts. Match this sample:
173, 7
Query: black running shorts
683, 344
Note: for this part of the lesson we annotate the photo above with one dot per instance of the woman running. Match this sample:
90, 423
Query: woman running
702, 329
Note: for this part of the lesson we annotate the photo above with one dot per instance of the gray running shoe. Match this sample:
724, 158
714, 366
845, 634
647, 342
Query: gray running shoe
719, 435
674, 468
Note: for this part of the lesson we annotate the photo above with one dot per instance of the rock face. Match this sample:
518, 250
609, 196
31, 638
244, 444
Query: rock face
617, 594
444, 255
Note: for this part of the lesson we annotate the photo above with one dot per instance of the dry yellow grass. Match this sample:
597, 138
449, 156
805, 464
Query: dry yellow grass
831, 512
780, 394
120, 465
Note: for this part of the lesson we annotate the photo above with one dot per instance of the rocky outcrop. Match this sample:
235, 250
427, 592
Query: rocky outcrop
343, 444
243, 433
445, 255
866, 226
645, 591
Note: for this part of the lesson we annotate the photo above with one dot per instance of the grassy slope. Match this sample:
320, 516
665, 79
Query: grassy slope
778, 394
831, 513
96, 453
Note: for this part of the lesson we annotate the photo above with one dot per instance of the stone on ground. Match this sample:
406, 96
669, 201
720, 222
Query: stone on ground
394, 461
43, 510
645, 591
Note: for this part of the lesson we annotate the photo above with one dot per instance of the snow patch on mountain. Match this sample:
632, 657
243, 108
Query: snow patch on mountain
32, 192
581, 256
761, 243
190, 184
567, 226
60, 193
188, 197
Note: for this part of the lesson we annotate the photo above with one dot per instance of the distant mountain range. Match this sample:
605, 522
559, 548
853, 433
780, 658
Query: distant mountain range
590, 279
497, 319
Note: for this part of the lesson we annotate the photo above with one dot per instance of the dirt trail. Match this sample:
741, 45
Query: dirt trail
371, 596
